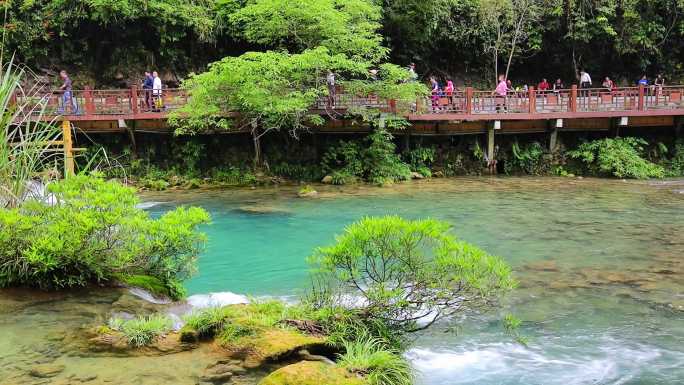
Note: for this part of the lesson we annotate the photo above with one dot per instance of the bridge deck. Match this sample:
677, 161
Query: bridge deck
660, 105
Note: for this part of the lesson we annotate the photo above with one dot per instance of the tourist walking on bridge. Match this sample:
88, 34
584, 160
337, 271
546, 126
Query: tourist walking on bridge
330, 81
585, 82
501, 91
157, 90
148, 83
68, 104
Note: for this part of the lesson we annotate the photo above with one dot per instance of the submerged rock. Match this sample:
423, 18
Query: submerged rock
46, 370
311, 373
262, 210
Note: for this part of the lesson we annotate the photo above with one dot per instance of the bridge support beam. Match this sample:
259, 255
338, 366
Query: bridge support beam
553, 137
491, 161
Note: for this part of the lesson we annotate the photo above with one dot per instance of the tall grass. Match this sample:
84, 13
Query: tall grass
142, 331
379, 364
26, 133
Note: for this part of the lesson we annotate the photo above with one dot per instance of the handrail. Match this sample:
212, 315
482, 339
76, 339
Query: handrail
134, 101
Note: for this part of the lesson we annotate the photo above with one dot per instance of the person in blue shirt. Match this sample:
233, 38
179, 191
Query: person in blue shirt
148, 84
643, 81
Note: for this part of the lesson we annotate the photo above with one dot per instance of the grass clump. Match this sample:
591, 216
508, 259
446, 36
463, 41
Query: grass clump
141, 331
371, 358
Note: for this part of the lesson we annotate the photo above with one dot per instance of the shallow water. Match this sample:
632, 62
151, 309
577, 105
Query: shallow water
601, 267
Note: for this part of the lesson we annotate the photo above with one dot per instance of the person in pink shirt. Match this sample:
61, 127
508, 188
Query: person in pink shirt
501, 91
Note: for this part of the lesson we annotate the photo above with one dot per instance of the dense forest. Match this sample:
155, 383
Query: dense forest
110, 42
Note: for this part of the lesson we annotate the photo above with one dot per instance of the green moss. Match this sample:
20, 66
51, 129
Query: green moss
152, 284
311, 373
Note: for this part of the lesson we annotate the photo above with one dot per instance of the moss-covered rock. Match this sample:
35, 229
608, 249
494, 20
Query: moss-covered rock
311, 373
271, 345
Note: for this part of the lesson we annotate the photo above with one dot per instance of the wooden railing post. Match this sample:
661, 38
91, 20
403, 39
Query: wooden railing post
572, 101
134, 99
68, 149
88, 100
532, 98
469, 100
393, 105
642, 93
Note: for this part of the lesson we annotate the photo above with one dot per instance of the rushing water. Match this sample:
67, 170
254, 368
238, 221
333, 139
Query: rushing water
600, 265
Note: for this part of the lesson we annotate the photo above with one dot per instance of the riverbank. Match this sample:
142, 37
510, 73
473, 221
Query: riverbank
598, 261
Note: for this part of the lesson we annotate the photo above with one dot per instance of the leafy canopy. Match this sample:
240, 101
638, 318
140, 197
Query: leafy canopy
408, 274
343, 26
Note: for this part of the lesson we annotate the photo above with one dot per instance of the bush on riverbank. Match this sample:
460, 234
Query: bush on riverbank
92, 234
620, 157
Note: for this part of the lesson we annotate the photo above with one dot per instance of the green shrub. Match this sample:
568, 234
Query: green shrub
377, 363
155, 184
421, 159
234, 176
408, 274
527, 159
382, 163
620, 157
141, 331
94, 234
345, 160
297, 171
676, 164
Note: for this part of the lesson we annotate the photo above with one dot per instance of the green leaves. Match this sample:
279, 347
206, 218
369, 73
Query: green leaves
620, 157
343, 26
93, 234
409, 274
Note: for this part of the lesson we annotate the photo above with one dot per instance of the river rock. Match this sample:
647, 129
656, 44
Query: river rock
417, 175
328, 179
308, 194
263, 210
311, 373
46, 370
272, 346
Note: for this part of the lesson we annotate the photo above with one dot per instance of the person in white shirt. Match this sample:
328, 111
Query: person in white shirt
585, 81
157, 89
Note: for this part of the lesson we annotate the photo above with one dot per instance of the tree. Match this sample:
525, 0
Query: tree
343, 26
408, 274
275, 90
510, 27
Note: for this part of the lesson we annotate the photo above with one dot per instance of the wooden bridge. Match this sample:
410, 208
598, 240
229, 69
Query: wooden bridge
467, 111
463, 112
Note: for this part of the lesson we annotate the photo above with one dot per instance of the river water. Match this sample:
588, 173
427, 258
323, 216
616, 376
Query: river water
600, 265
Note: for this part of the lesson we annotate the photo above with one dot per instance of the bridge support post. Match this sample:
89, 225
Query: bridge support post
68, 149
491, 161
678, 126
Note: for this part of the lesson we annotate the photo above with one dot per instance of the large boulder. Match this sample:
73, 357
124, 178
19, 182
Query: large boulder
311, 373
272, 345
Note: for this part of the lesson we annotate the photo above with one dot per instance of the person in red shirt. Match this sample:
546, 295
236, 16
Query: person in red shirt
543, 86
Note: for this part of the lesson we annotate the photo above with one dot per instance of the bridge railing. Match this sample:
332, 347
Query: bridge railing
135, 101
532, 101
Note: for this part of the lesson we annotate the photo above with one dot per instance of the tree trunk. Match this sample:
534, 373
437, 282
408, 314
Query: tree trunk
257, 145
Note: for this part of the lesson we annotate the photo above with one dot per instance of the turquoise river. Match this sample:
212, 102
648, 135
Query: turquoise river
600, 265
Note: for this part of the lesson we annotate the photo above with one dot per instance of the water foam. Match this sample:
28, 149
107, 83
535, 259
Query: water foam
614, 362
147, 205
201, 301
147, 296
